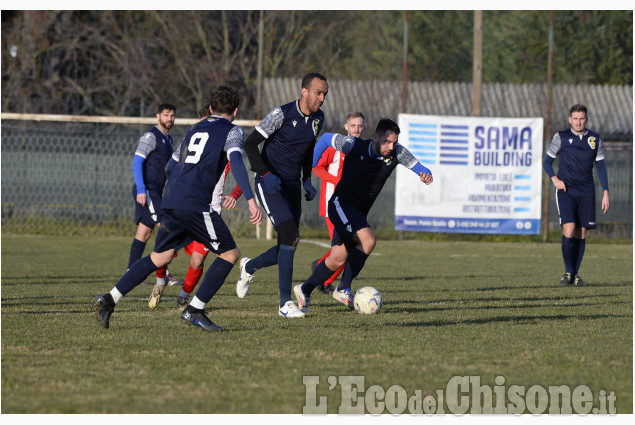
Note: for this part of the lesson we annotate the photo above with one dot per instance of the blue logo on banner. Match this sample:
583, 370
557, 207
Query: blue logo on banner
454, 144
422, 142
439, 144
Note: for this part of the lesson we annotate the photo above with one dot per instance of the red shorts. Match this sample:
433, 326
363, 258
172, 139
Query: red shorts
196, 247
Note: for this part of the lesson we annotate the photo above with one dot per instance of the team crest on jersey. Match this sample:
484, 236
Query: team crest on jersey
591, 142
570, 141
388, 160
295, 123
316, 124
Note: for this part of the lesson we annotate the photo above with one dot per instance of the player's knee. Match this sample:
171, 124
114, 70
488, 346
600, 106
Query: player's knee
231, 256
143, 233
162, 259
197, 260
288, 233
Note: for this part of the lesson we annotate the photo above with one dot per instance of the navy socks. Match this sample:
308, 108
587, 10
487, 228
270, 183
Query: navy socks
580, 246
136, 251
285, 272
317, 278
568, 254
135, 275
214, 279
266, 259
354, 264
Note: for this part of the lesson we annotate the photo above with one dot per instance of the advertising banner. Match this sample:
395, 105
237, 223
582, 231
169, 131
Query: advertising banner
487, 175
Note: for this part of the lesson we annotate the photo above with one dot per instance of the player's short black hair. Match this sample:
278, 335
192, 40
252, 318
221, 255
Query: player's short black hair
386, 124
306, 81
578, 107
224, 100
168, 106
204, 111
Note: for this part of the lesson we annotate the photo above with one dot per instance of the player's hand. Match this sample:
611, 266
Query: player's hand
606, 203
426, 178
229, 202
255, 213
272, 183
309, 190
141, 198
559, 184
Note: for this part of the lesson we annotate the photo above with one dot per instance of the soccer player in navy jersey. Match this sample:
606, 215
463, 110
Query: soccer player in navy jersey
153, 151
282, 170
368, 165
578, 148
186, 212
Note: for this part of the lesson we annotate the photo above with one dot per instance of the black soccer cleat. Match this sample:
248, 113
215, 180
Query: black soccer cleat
197, 317
566, 279
105, 306
326, 289
577, 281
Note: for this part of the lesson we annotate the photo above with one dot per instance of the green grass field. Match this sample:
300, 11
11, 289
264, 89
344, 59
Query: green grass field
450, 309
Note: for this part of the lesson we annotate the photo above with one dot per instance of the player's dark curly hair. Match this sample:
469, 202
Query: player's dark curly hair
224, 100
386, 124
204, 111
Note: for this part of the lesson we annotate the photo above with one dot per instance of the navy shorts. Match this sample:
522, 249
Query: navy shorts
347, 220
147, 214
578, 209
284, 205
180, 227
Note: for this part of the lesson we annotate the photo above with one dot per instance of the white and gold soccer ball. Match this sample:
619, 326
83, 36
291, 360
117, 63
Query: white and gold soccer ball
368, 300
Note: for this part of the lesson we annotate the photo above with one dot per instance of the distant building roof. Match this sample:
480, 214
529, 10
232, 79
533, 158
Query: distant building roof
610, 107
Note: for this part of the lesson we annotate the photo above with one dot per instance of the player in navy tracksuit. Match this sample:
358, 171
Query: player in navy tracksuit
368, 165
187, 215
289, 133
578, 148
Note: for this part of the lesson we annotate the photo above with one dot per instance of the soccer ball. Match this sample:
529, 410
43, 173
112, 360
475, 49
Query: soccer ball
368, 300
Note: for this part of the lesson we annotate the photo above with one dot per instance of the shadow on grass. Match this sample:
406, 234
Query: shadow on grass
507, 319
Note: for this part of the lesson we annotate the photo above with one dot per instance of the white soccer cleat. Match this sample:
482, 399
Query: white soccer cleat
303, 300
242, 286
345, 297
155, 296
289, 309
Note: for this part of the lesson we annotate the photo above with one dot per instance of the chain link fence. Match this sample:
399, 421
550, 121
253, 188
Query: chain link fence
76, 178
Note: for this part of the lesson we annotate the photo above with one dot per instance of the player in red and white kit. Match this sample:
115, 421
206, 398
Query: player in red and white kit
329, 169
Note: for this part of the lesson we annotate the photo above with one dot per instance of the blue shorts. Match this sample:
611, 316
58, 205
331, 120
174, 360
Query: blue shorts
347, 220
147, 214
578, 209
180, 227
283, 205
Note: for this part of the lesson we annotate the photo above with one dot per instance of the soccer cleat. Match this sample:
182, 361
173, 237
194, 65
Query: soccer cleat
242, 286
303, 299
181, 303
105, 306
577, 281
172, 281
314, 265
566, 279
344, 296
155, 296
326, 289
289, 309
197, 317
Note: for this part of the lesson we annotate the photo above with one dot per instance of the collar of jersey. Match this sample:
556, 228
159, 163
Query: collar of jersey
372, 152
579, 135
297, 106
